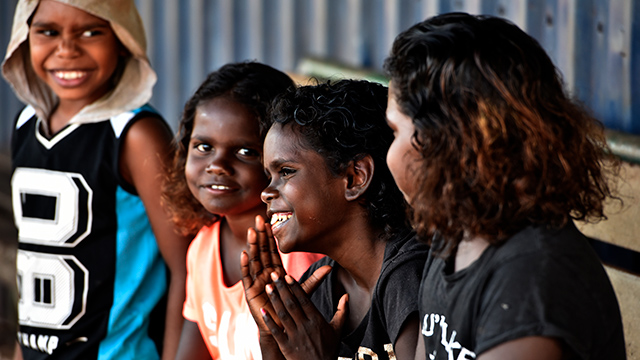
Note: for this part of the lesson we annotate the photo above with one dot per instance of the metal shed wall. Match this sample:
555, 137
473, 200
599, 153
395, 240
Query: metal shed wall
595, 43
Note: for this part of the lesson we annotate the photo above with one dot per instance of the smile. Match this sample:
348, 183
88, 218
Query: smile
219, 187
70, 75
280, 218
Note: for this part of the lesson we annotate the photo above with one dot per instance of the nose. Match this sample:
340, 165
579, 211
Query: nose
67, 47
219, 166
268, 194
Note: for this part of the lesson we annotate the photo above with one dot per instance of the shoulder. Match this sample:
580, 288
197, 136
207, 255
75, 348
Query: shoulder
401, 271
324, 260
404, 251
139, 122
205, 240
546, 282
541, 251
25, 115
203, 247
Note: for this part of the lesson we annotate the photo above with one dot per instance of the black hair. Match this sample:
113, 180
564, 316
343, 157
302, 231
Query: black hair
503, 144
251, 84
343, 122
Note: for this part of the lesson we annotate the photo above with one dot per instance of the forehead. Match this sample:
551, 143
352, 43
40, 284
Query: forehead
284, 143
50, 10
226, 113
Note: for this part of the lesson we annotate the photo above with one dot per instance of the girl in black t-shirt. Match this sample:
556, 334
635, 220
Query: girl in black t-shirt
497, 161
331, 192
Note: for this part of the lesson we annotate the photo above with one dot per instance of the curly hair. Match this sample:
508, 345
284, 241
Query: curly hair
251, 84
343, 122
503, 145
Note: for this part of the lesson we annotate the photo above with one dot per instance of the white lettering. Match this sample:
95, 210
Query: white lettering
39, 342
229, 335
435, 318
42, 342
52, 345
390, 352
449, 343
362, 351
466, 352
32, 342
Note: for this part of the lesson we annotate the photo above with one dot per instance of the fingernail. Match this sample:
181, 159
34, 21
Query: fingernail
274, 276
288, 279
263, 312
268, 289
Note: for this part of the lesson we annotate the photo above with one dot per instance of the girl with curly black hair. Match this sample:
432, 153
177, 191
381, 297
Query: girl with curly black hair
330, 192
213, 190
496, 162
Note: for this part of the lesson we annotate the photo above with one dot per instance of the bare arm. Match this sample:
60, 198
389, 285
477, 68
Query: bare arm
527, 348
405, 346
420, 353
192, 346
146, 150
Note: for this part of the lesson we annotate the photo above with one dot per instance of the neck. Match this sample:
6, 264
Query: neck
469, 250
237, 225
360, 251
63, 113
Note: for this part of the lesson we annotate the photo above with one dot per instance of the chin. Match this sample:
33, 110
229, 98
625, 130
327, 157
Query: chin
284, 246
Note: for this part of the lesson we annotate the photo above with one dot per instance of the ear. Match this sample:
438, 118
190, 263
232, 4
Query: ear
358, 177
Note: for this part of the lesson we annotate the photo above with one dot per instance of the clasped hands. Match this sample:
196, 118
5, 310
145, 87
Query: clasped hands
281, 306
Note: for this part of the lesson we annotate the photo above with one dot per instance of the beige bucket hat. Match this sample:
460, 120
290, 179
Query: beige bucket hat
134, 87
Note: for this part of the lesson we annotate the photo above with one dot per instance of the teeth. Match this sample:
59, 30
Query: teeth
70, 75
276, 218
219, 187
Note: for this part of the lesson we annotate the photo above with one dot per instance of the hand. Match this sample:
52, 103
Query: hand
304, 332
262, 260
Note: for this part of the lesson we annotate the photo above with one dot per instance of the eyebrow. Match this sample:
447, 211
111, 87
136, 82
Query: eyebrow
279, 162
79, 28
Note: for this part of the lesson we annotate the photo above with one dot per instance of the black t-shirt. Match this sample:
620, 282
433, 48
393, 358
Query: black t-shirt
395, 299
540, 282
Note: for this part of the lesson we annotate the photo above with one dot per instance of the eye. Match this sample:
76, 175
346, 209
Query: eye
246, 152
47, 32
202, 147
286, 171
91, 33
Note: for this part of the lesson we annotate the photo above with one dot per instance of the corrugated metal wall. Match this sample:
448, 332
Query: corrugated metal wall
595, 43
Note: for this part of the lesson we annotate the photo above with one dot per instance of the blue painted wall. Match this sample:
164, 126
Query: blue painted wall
595, 43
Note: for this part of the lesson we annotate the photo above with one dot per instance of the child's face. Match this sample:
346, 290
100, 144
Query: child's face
72, 51
304, 200
402, 158
224, 169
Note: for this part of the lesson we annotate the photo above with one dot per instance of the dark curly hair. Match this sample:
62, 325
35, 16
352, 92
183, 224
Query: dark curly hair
503, 145
343, 122
251, 84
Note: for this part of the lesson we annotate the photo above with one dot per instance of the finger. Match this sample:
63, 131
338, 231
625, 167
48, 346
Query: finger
291, 300
312, 283
275, 330
276, 259
303, 298
263, 243
255, 264
340, 316
281, 313
247, 280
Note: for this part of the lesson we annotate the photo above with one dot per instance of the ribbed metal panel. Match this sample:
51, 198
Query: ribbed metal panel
595, 43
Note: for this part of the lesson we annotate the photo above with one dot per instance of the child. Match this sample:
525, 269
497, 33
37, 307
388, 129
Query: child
87, 156
496, 161
331, 193
214, 187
